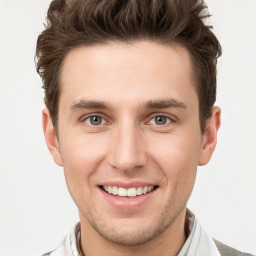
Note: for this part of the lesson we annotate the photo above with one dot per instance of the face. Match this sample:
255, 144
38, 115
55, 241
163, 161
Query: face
129, 137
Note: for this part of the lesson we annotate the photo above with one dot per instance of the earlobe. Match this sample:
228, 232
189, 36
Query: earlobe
210, 136
51, 137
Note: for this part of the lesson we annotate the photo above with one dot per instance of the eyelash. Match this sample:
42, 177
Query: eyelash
87, 117
169, 119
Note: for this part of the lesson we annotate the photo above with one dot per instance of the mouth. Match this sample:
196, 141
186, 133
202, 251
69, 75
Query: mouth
128, 192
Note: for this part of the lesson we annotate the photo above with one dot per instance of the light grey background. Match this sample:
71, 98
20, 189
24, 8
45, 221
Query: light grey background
36, 211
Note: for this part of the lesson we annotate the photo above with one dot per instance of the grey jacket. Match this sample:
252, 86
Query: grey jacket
229, 251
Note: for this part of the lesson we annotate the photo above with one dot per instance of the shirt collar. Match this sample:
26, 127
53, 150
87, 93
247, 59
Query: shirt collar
198, 242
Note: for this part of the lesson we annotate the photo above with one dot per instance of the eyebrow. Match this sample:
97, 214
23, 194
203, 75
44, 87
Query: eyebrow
89, 104
152, 104
165, 103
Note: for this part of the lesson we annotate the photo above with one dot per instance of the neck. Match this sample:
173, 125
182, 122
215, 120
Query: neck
168, 243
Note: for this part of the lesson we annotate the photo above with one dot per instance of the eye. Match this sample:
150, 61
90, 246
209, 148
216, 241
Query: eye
160, 120
95, 120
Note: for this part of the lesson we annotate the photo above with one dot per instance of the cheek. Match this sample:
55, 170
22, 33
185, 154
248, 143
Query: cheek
177, 160
177, 156
81, 159
82, 151
176, 149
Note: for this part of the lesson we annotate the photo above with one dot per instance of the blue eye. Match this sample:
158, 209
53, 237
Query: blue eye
160, 120
95, 120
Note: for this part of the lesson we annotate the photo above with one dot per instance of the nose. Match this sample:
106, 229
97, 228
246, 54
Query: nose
127, 151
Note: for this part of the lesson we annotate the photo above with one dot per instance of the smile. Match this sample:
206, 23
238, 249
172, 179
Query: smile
128, 192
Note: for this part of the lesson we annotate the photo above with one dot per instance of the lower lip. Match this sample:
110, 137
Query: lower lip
127, 202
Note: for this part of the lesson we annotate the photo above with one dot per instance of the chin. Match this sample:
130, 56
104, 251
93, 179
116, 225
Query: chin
132, 233
132, 237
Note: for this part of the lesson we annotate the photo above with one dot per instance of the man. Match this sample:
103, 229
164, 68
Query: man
130, 88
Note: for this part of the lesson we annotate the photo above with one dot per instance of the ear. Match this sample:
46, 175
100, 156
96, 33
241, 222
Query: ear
51, 137
210, 136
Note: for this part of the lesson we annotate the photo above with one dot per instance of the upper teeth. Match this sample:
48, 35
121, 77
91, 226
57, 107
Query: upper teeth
130, 192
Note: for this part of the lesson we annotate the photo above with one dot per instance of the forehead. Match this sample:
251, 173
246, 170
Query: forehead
143, 70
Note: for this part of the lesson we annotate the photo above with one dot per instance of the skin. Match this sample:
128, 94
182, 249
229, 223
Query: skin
137, 82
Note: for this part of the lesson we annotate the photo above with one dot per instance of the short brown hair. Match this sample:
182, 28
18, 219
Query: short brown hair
73, 23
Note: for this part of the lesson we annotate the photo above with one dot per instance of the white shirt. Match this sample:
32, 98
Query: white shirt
198, 242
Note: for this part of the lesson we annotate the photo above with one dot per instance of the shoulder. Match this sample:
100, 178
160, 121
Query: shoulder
68, 247
226, 250
60, 251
